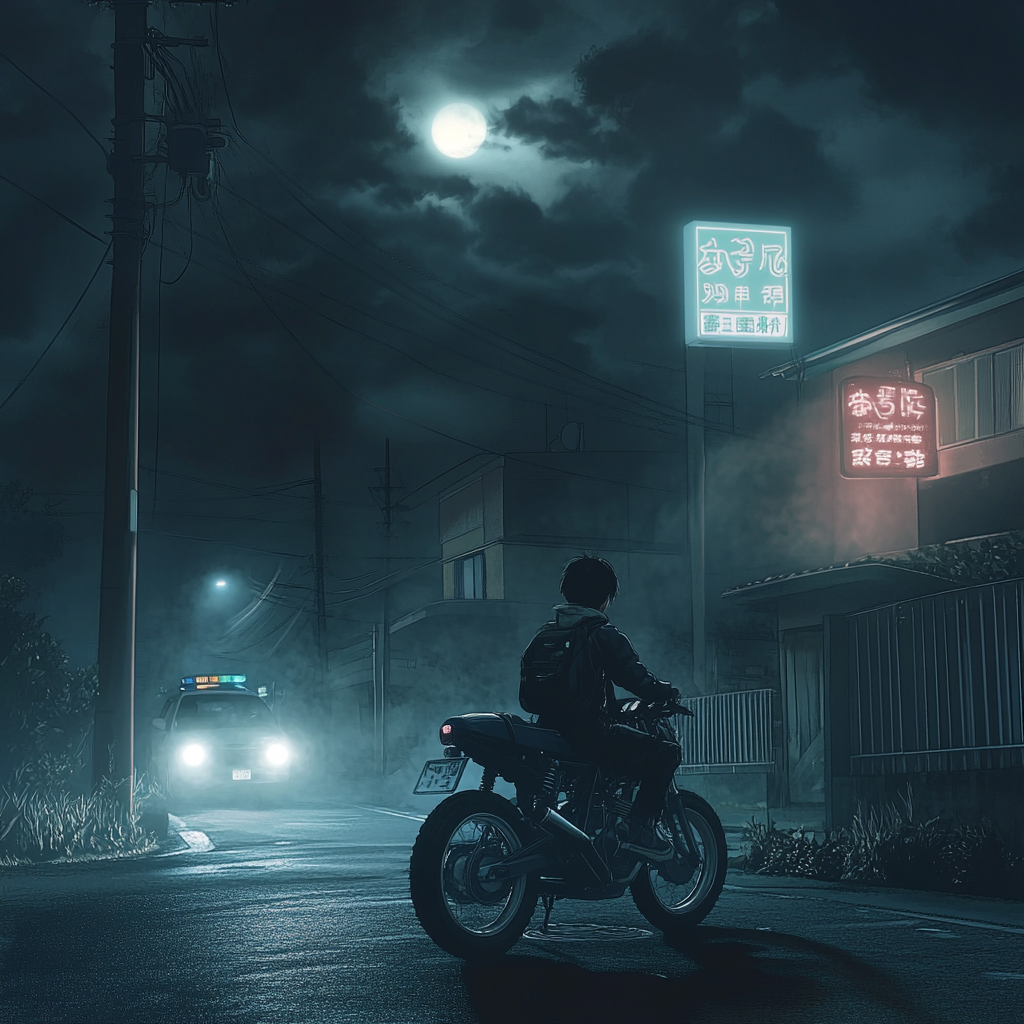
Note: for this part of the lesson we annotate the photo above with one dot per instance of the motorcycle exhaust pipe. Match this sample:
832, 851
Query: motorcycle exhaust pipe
551, 821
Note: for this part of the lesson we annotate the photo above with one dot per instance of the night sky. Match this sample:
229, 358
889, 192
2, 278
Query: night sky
344, 277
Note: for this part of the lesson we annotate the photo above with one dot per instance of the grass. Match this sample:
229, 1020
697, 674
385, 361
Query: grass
44, 822
888, 847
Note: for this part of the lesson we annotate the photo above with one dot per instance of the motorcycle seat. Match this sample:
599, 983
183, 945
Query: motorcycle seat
514, 729
549, 740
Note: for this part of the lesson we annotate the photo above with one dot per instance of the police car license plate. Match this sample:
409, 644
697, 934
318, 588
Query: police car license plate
241, 773
441, 776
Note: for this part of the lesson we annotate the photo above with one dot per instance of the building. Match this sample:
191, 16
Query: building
504, 531
900, 647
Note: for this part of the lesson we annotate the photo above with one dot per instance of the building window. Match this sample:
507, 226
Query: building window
469, 577
979, 396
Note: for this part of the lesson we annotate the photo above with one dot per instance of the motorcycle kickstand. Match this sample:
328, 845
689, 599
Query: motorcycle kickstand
549, 902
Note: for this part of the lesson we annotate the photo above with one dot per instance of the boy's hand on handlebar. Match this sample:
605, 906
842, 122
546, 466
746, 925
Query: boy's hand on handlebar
670, 695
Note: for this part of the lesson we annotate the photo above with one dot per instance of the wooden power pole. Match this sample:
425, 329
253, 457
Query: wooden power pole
113, 732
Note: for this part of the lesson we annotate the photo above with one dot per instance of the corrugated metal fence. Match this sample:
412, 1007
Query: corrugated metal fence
935, 683
730, 732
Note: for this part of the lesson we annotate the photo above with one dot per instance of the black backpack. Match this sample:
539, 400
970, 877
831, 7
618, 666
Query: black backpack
557, 673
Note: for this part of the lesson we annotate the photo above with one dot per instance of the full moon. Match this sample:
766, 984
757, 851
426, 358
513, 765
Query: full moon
458, 130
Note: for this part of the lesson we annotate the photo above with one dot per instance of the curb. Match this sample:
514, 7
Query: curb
182, 839
976, 911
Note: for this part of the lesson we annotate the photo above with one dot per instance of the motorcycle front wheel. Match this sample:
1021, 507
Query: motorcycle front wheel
464, 912
671, 897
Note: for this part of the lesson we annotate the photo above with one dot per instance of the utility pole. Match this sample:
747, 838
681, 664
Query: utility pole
188, 153
321, 604
113, 739
383, 495
695, 509
385, 652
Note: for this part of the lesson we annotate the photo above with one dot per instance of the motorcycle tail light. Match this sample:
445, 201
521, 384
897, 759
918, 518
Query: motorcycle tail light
446, 733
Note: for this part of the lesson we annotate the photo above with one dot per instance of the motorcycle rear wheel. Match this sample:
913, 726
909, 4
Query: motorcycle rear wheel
672, 906
464, 913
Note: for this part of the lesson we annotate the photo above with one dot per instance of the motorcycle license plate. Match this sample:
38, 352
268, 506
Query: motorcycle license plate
441, 776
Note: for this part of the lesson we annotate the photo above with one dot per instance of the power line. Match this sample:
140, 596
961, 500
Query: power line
239, 258
67, 110
649, 407
327, 373
53, 209
480, 448
657, 427
259, 492
224, 543
74, 308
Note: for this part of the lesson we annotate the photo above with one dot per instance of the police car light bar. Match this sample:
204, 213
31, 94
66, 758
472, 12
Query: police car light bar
208, 682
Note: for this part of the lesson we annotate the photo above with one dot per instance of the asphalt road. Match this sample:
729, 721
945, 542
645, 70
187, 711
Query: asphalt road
302, 914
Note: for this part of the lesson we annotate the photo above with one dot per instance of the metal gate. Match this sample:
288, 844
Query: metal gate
730, 732
935, 683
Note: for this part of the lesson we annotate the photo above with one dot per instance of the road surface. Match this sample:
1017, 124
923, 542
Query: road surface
302, 913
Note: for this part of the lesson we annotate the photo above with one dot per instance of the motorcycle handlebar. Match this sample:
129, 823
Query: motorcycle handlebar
660, 709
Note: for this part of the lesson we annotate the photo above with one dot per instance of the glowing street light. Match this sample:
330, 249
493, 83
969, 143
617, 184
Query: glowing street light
221, 583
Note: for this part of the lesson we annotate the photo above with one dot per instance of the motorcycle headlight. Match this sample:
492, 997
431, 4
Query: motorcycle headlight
277, 753
193, 754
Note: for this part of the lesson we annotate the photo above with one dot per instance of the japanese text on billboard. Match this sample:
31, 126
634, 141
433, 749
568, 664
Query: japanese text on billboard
888, 428
737, 291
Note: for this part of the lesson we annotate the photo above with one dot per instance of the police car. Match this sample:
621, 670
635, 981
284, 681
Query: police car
216, 732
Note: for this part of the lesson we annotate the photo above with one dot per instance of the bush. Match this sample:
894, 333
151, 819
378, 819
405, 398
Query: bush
42, 822
888, 847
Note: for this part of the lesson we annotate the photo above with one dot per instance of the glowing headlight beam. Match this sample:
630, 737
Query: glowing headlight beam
193, 754
277, 753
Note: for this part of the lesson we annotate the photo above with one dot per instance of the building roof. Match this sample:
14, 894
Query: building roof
905, 328
869, 582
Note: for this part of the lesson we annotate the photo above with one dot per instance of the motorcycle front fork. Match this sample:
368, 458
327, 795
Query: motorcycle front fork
679, 827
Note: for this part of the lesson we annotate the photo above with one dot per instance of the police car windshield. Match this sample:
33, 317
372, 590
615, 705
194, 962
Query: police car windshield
209, 711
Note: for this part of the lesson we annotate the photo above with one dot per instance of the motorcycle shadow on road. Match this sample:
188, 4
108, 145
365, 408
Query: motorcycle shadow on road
726, 974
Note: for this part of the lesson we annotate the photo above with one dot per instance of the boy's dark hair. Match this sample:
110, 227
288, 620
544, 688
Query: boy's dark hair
588, 581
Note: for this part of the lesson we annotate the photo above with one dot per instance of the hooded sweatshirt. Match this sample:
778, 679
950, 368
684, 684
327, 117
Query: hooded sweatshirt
616, 662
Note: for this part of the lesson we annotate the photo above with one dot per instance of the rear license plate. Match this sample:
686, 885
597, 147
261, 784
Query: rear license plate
241, 773
441, 776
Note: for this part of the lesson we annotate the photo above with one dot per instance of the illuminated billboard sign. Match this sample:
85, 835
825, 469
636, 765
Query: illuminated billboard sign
888, 428
738, 285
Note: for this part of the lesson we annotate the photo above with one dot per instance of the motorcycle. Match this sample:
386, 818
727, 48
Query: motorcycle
481, 861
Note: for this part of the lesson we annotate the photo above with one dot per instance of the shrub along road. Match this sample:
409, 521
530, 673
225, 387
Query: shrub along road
302, 914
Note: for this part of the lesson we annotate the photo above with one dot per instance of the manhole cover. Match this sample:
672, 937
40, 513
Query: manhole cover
587, 933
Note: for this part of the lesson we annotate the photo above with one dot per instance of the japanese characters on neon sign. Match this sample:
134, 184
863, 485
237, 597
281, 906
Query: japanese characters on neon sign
888, 428
737, 285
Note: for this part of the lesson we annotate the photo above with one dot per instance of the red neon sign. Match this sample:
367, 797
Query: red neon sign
888, 428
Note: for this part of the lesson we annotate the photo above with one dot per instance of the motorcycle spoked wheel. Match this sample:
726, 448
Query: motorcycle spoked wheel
466, 915
674, 906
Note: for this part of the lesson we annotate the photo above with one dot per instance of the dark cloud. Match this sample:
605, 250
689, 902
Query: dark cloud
437, 294
513, 230
524, 17
948, 60
563, 129
996, 226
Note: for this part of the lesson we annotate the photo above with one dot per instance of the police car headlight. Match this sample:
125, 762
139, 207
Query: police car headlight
277, 753
193, 754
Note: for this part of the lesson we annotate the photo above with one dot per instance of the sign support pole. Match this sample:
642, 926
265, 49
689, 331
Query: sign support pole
695, 509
